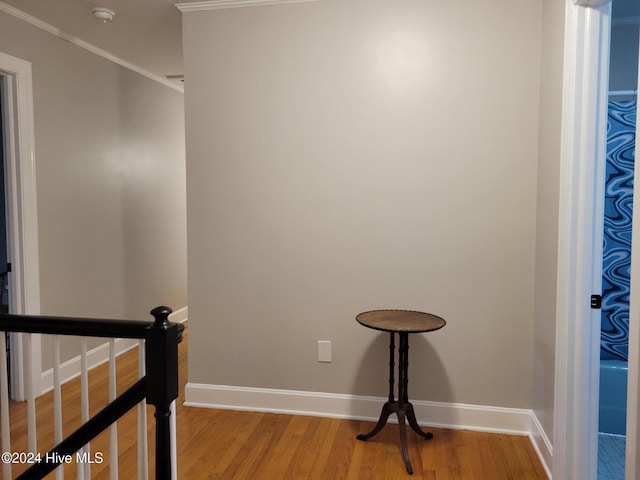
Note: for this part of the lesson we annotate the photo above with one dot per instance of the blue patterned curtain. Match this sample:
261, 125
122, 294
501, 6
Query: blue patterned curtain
621, 132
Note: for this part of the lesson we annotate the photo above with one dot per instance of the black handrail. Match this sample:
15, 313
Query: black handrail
85, 327
159, 386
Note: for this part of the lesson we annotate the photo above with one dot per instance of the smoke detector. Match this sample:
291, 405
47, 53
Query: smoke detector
105, 15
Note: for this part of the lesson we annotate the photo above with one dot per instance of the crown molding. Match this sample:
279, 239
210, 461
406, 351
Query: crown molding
220, 4
36, 22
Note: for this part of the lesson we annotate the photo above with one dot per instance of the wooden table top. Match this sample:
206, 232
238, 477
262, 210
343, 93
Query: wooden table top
401, 321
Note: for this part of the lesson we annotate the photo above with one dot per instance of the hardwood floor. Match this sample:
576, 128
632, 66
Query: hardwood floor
230, 445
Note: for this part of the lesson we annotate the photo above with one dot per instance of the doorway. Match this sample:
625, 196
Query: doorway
4, 272
21, 216
618, 212
617, 246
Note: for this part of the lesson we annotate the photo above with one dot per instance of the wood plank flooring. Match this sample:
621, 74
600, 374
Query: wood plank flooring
230, 445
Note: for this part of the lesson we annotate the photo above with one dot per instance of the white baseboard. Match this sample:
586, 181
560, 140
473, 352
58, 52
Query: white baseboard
99, 355
541, 444
436, 414
479, 418
180, 316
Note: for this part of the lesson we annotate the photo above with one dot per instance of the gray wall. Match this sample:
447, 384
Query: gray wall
548, 199
110, 181
358, 154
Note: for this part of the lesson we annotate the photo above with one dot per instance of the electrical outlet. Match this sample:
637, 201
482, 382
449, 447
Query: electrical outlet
324, 351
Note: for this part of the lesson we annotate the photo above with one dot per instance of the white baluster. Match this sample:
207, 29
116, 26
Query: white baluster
4, 406
143, 458
174, 449
84, 469
57, 400
31, 399
113, 430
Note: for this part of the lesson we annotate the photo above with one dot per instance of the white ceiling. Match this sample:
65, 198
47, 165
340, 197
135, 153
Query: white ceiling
148, 33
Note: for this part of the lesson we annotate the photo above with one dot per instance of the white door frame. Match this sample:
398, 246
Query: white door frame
633, 383
582, 173
22, 218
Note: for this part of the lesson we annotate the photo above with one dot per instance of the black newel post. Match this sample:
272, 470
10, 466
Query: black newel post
161, 358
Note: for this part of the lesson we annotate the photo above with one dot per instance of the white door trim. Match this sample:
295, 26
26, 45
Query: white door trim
582, 175
633, 381
22, 213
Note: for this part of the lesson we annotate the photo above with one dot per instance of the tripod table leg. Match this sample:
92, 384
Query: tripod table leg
403, 442
411, 418
387, 410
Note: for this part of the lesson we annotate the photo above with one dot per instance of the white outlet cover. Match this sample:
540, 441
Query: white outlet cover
324, 351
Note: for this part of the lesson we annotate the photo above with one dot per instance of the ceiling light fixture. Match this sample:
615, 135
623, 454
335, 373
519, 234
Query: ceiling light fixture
105, 15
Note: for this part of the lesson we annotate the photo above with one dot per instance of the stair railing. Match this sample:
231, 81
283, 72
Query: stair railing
157, 386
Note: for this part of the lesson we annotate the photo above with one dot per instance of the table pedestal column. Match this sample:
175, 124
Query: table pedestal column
401, 407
